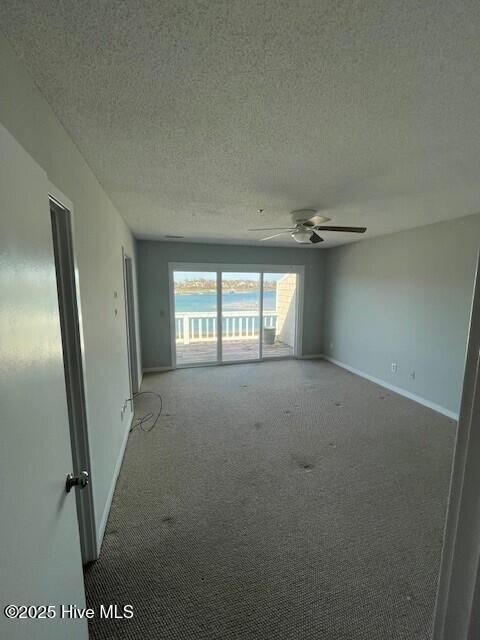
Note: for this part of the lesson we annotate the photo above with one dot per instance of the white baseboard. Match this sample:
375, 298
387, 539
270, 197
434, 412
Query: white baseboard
116, 471
426, 403
162, 369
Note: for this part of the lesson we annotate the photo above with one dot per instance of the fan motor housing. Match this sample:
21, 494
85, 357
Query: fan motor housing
302, 215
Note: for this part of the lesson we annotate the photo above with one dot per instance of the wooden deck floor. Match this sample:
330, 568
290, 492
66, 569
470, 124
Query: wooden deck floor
199, 352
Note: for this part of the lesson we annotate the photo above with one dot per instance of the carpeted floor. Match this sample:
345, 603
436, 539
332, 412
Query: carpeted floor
276, 501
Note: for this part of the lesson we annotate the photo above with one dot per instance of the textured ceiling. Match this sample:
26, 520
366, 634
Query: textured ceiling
195, 114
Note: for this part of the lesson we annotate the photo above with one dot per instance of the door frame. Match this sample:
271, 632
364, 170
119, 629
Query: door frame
457, 607
75, 368
128, 290
219, 268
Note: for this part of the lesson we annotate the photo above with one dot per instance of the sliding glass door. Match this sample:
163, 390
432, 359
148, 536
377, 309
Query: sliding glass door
224, 315
196, 317
240, 316
279, 315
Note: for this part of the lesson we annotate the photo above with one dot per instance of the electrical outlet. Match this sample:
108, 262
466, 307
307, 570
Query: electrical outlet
394, 367
412, 375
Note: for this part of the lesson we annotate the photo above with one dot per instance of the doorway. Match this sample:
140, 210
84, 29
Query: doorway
222, 314
130, 323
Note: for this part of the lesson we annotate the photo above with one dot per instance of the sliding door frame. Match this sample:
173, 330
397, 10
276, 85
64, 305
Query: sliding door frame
220, 268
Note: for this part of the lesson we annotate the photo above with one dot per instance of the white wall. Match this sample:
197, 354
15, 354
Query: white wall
405, 298
100, 233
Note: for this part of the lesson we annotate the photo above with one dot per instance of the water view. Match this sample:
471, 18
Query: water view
232, 301
201, 334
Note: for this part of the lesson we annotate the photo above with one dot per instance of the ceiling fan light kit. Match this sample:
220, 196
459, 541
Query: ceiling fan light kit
302, 236
307, 223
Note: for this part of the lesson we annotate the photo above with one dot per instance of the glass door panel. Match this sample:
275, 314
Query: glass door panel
279, 314
196, 317
240, 316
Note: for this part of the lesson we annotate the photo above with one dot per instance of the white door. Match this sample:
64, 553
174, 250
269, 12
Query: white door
40, 562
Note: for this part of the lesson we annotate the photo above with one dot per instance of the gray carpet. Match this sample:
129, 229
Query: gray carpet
276, 501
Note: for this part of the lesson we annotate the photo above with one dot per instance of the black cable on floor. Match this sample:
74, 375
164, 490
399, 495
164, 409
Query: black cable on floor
148, 416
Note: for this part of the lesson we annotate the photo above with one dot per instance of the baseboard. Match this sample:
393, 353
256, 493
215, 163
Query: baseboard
411, 396
116, 471
162, 369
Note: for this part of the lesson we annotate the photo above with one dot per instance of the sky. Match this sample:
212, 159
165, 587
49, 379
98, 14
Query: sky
180, 276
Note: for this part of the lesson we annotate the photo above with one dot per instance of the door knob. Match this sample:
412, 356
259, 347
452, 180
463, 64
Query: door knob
80, 481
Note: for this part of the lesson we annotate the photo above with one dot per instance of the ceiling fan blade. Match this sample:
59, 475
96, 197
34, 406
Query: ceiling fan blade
344, 229
273, 229
315, 238
284, 233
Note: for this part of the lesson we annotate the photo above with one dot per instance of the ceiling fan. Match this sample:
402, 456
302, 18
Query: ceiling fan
307, 225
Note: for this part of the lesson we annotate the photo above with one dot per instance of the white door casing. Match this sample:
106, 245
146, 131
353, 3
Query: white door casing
457, 612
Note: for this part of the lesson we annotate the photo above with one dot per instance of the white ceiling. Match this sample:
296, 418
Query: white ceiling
195, 114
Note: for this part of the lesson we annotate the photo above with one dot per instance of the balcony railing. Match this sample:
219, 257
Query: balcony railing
236, 325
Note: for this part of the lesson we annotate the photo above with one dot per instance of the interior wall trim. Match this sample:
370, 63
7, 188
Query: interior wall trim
411, 396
